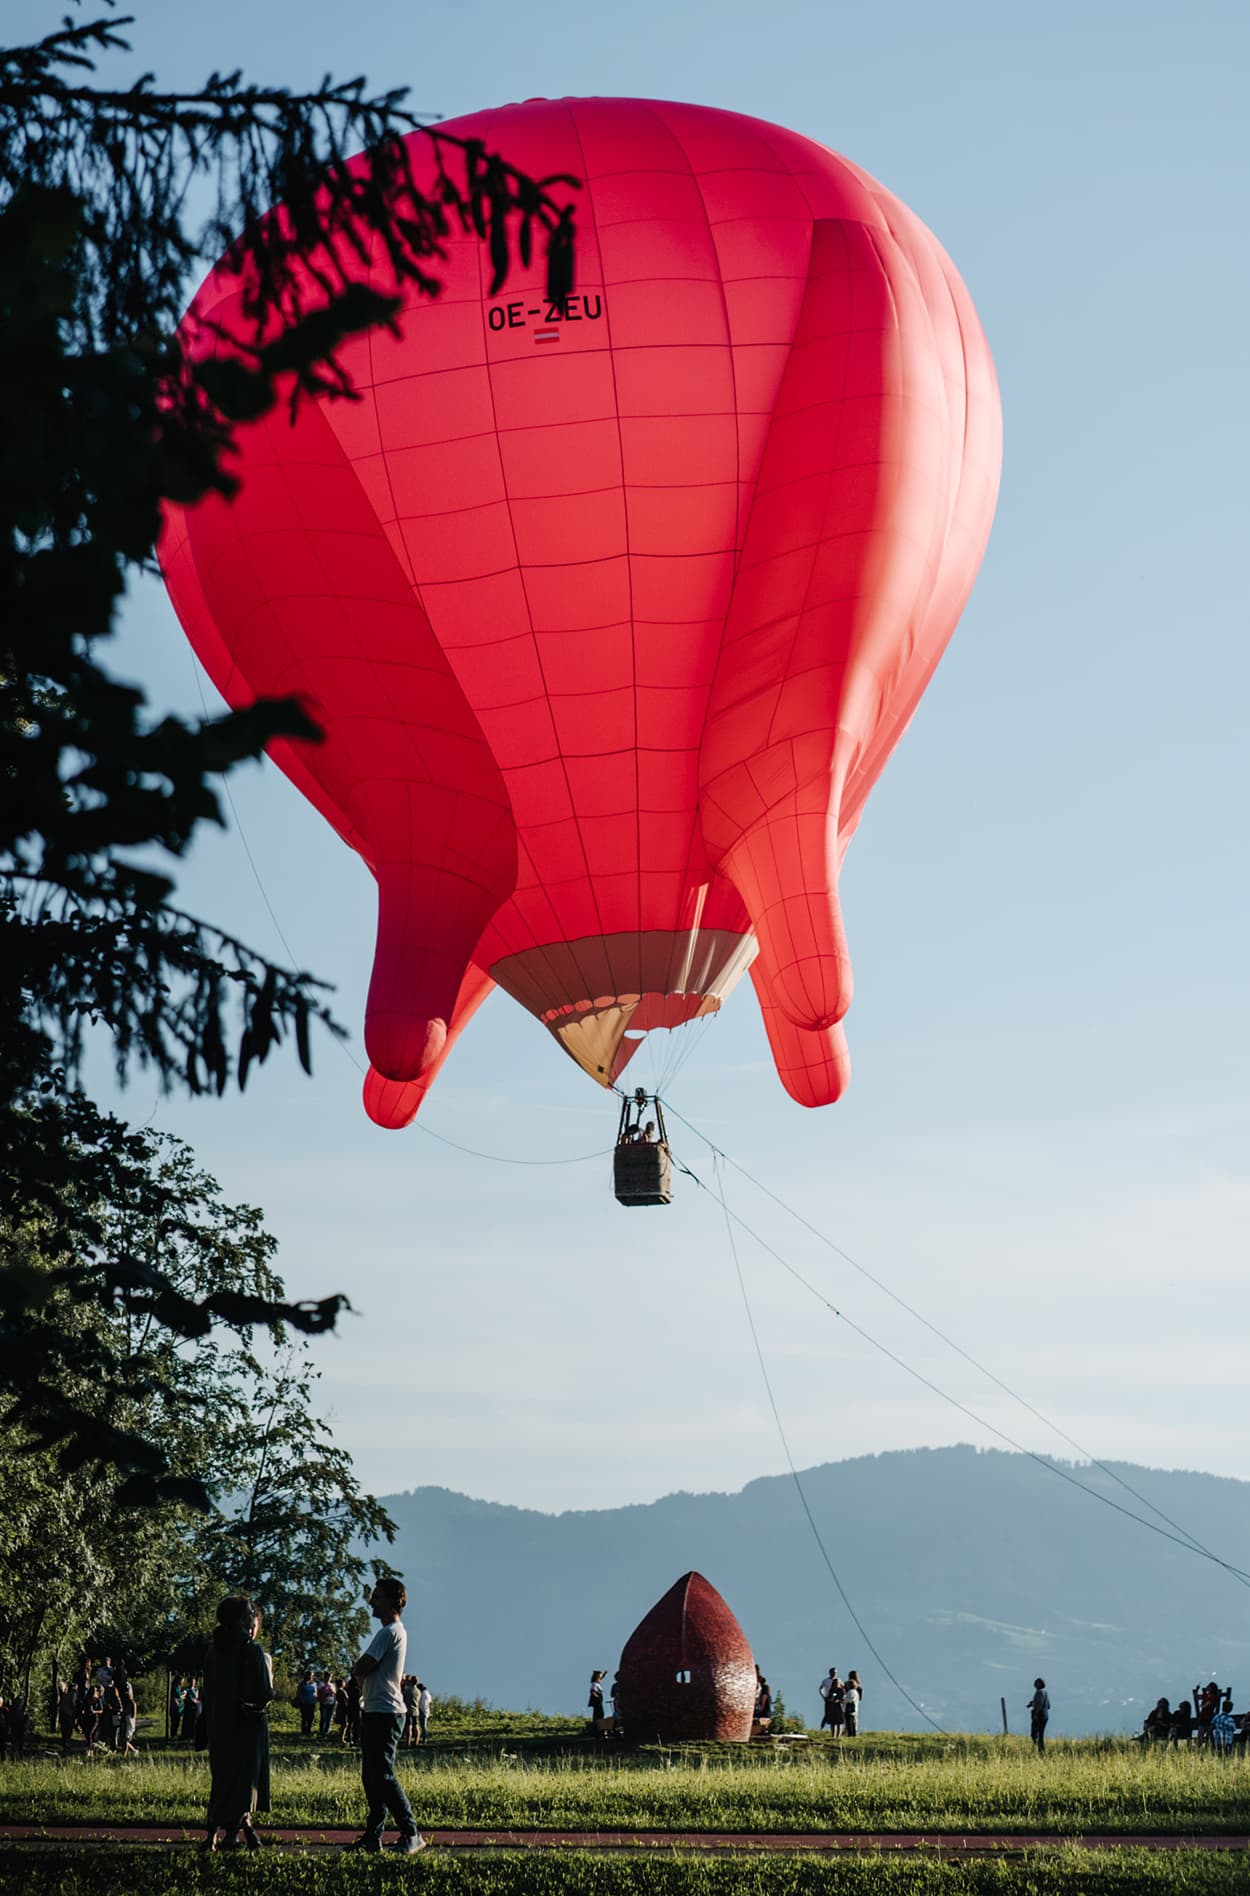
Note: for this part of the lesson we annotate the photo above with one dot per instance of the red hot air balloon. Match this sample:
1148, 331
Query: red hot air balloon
613, 612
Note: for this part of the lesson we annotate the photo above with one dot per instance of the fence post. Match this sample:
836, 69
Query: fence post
1003, 1703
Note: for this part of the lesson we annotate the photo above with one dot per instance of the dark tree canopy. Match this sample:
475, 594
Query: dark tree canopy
106, 417
144, 1339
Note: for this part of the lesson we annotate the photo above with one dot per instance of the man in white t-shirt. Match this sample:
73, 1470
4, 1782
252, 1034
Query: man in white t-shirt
380, 1670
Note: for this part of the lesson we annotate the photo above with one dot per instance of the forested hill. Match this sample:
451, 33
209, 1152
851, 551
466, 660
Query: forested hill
971, 1570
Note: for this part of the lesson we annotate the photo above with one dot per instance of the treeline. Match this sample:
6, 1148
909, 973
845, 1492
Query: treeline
257, 1497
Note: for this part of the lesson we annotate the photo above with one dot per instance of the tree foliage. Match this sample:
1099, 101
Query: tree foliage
102, 1546
292, 1533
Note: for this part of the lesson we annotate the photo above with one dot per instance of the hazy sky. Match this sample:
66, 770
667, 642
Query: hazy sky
1044, 1142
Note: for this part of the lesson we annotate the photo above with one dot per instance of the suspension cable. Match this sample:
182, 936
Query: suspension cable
1054, 1468
1199, 1546
718, 1191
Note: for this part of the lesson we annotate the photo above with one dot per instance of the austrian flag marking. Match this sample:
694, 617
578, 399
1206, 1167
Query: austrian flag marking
546, 335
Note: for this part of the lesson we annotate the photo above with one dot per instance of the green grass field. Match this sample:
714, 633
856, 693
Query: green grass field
545, 1778
1044, 1873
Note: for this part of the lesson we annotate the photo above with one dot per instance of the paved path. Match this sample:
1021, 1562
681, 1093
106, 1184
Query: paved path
945, 1844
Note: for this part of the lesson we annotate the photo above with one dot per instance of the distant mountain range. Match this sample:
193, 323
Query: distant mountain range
972, 1571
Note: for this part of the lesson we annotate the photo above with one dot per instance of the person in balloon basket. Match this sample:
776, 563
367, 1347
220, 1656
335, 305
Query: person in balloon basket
380, 1670
1039, 1713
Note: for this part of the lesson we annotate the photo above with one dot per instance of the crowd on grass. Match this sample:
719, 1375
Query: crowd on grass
98, 1710
98, 1705
330, 1708
840, 1702
1205, 1718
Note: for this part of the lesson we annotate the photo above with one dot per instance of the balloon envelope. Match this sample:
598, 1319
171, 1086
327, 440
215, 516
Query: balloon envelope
613, 612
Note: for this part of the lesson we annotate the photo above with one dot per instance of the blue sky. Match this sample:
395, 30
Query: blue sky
1044, 1142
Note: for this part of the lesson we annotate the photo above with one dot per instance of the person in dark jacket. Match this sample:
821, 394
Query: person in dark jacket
236, 1690
1039, 1714
306, 1700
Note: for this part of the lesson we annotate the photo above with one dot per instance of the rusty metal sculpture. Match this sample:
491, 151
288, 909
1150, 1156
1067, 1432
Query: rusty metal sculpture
687, 1671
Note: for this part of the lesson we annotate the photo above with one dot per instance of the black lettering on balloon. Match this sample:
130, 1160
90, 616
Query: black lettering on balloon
573, 309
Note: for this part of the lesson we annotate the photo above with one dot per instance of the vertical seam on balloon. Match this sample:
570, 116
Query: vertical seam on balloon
746, 533
831, 471
629, 560
814, 556
921, 612
696, 826
559, 756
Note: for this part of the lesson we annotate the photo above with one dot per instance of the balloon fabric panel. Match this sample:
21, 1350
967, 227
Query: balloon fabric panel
613, 613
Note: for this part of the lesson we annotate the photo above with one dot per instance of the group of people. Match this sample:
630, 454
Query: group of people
182, 1719
99, 1704
333, 1706
237, 1690
840, 1703
1205, 1718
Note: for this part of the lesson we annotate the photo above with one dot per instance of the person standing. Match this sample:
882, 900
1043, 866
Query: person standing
89, 1717
1039, 1712
408, 1692
425, 1699
594, 1703
306, 1700
828, 1685
852, 1693
380, 1670
235, 1692
351, 1714
128, 1719
325, 1703
67, 1712
110, 1715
